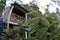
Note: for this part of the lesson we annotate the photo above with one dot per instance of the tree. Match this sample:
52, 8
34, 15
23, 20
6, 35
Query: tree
42, 26
37, 22
2, 5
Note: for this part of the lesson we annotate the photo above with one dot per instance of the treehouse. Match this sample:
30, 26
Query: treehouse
14, 15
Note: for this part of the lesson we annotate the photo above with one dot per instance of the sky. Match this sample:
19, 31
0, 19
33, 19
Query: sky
41, 4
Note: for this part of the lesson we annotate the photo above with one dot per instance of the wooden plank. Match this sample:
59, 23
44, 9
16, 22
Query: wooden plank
6, 13
8, 19
13, 23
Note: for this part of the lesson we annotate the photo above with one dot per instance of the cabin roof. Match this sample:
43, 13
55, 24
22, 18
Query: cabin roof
21, 6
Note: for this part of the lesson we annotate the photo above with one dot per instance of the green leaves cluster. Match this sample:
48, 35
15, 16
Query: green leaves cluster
44, 26
2, 5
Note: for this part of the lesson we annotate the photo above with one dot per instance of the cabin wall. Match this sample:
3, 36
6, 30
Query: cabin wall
16, 18
17, 15
6, 13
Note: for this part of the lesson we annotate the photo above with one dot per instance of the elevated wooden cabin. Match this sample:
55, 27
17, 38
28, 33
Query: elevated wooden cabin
15, 15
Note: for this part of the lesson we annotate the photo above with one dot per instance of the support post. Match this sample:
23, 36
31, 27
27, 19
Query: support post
26, 19
26, 34
8, 19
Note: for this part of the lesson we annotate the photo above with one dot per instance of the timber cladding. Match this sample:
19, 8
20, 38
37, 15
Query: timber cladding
14, 14
16, 18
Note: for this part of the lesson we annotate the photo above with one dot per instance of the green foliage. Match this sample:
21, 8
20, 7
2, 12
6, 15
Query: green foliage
2, 5
42, 27
16, 33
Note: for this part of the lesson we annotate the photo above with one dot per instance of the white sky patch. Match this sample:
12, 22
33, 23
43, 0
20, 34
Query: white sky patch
0, 0
26, 1
41, 4
52, 9
9, 2
52, 6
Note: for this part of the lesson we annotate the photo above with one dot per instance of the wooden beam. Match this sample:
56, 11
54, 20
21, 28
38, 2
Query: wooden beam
20, 8
13, 23
8, 19
26, 18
